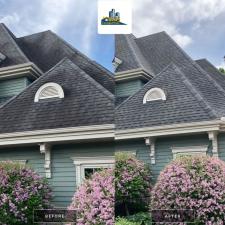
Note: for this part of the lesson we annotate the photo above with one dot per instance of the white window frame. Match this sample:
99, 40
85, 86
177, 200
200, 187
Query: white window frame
189, 150
50, 84
159, 90
81, 163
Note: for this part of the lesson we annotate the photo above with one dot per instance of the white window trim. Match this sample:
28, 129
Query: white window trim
91, 162
50, 84
161, 92
202, 149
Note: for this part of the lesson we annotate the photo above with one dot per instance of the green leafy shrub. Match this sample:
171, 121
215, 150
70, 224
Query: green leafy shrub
132, 183
124, 221
21, 191
141, 218
196, 183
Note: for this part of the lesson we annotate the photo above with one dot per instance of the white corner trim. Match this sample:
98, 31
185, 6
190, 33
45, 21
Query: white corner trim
57, 87
160, 92
93, 132
87, 162
213, 137
201, 149
151, 143
46, 149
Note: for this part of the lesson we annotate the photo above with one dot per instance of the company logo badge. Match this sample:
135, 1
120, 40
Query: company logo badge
112, 19
114, 12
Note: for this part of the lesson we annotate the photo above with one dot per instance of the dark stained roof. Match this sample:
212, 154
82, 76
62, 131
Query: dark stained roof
46, 49
10, 49
86, 102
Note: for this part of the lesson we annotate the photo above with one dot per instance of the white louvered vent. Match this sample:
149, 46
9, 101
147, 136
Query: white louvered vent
153, 95
49, 90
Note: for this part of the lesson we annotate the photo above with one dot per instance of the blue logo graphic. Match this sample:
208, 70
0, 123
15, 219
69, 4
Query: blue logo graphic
112, 19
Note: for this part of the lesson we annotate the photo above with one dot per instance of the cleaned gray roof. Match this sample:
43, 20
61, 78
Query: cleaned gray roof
86, 102
195, 90
183, 103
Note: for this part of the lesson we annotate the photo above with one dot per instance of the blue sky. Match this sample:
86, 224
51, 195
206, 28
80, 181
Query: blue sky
197, 25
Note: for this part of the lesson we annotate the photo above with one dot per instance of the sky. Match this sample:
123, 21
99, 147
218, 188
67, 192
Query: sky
197, 25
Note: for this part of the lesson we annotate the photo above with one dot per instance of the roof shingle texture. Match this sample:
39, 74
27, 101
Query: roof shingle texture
86, 103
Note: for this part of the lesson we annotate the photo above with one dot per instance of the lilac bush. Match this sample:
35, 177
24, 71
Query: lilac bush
132, 182
21, 191
94, 200
196, 183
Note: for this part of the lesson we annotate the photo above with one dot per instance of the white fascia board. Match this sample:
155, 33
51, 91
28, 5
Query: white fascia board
155, 131
131, 74
59, 135
29, 69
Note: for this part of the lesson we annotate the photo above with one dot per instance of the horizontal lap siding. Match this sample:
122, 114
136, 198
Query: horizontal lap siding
31, 154
63, 170
163, 149
221, 146
13, 86
128, 88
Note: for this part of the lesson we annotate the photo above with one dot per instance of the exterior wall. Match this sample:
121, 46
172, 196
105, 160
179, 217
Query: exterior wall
128, 88
13, 86
163, 149
221, 146
63, 170
63, 181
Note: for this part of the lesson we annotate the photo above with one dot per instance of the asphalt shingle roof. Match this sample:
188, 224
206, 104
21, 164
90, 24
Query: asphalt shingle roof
46, 49
86, 102
196, 90
183, 103
10, 49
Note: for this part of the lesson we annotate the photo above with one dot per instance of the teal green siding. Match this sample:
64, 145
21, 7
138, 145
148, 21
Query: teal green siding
221, 146
31, 154
63, 181
13, 86
63, 170
128, 88
163, 149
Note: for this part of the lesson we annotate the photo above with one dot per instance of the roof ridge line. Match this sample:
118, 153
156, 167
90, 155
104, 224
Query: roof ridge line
158, 74
81, 54
194, 63
93, 81
14, 41
196, 93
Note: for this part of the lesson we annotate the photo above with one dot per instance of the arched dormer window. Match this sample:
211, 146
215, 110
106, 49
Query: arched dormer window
49, 90
153, 95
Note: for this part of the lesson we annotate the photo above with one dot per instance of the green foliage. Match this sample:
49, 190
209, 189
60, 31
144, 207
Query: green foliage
140, 218
132, 183
222, 70
124, 221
